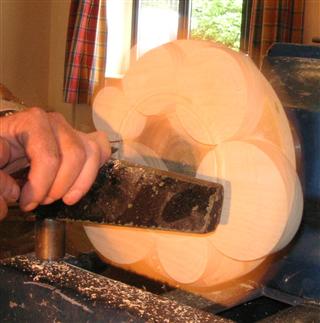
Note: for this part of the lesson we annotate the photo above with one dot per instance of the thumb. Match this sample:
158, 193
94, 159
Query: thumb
4, 152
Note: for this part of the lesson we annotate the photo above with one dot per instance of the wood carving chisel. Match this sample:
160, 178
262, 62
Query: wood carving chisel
131, 195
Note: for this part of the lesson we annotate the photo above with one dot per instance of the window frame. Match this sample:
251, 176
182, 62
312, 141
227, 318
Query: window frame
184, 12
183, 25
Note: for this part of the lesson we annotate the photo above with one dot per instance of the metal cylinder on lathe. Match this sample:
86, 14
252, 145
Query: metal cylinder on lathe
49, 239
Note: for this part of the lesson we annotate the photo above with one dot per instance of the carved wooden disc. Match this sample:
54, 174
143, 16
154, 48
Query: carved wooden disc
201, 109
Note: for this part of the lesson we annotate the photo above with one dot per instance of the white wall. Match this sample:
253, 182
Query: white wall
24, 49
57, 45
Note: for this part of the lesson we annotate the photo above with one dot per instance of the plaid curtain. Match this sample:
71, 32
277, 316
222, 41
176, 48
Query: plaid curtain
85, 51
274, 21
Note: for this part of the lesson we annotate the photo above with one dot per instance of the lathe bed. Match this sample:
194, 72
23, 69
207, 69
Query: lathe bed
82, 288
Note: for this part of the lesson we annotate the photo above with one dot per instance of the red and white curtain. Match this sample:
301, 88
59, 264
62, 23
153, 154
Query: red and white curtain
86, 50
274, 21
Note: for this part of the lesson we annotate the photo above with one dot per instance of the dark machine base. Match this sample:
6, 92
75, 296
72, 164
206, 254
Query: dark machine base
57, 291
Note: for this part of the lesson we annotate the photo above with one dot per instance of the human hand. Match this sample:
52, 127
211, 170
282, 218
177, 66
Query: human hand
9, 190
63, 162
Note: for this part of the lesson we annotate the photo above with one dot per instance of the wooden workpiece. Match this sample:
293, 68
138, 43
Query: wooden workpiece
201, 109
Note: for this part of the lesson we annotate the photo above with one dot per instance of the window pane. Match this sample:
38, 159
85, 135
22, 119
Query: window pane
157, 23
119, 16
218, 20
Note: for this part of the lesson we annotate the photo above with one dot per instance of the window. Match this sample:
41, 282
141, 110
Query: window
219, 20
119, 19
145, 24
151, 29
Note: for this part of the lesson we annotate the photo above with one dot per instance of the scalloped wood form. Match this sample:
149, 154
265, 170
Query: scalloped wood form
202, 109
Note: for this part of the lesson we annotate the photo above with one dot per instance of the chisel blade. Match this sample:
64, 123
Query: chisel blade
131, 195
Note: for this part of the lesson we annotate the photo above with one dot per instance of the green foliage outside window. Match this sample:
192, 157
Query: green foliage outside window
218, 20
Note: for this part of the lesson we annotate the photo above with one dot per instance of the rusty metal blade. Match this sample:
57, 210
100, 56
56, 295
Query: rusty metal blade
132, 195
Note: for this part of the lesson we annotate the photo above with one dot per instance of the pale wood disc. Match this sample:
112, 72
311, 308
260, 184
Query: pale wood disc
113, 115
141, 154
152, 77
295, 215
166, 137
118, 244
222, 269
193, 47
255, 207
274, 125
183, 257
216, 83
151, 82
294, 191
191, 107
255, 96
